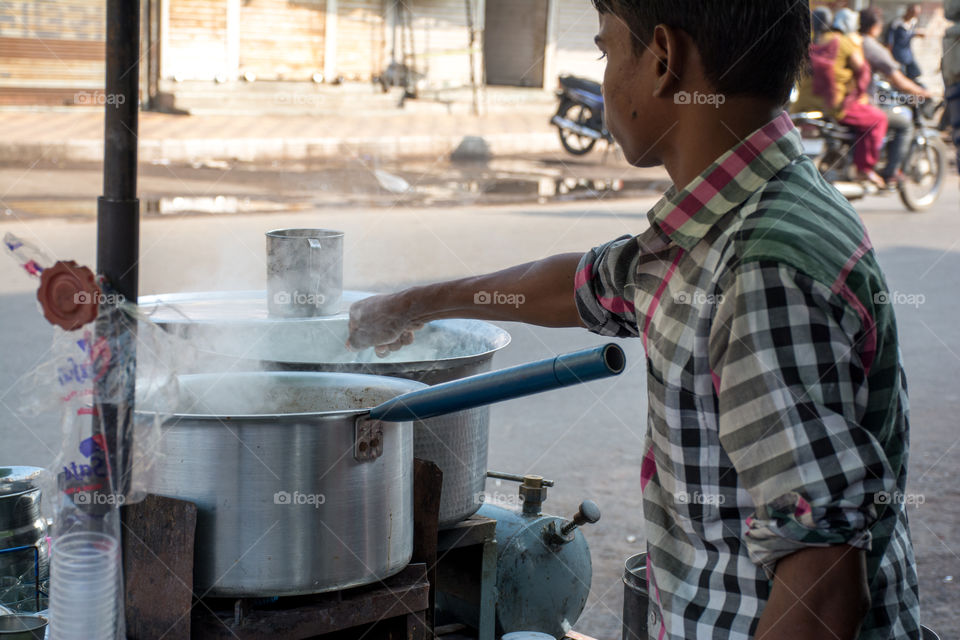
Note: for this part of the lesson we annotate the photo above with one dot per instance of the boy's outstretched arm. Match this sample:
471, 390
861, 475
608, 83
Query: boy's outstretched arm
540, 293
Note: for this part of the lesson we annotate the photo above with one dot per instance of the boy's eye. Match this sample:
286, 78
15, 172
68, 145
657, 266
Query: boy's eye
602, 55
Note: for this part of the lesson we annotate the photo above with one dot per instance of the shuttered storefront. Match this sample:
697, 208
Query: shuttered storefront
52, 51
514, 42
282, 40
195, 42
442, 41
361, 46
577, 25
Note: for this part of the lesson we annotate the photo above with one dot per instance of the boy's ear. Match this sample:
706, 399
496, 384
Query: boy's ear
666, 45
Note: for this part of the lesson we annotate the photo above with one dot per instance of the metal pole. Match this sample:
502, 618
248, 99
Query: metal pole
118, 231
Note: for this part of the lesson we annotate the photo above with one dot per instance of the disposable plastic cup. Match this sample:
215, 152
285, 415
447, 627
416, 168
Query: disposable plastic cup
84, 586
84, 540
87, 574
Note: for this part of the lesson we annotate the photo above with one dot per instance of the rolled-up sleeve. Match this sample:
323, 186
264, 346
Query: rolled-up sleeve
791, 391
605, 284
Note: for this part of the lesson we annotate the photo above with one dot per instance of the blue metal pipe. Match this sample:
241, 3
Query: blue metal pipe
506, 384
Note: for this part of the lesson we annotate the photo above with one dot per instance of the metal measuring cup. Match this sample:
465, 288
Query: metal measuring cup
304, 272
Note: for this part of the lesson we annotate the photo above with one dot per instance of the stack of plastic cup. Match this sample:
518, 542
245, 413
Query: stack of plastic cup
84, 586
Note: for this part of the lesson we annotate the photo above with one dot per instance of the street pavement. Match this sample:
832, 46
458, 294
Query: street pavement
588, 439
515, 124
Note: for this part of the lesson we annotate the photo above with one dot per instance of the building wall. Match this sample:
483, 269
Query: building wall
195, 40
280, 39
576, 26
442, 41
361, 39
51, 51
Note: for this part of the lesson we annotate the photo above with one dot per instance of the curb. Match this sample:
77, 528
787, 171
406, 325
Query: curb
269, 149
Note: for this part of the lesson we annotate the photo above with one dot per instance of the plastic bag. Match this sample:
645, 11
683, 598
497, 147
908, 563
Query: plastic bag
96, 375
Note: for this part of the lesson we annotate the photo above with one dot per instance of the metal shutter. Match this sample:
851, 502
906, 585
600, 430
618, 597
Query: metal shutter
281, 39
52, 51
442, 42
360, 39
196, 40
514, 42
577, 24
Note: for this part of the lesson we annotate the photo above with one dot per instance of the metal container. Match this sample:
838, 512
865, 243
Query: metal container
304, 272
302, 485
21, 525
540, 586
636, 598
284, 508
22, 627
234, 330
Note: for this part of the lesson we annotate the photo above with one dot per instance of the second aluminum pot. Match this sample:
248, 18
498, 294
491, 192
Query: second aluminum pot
301, 487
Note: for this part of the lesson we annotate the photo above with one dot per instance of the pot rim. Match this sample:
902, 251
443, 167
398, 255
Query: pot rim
412, 385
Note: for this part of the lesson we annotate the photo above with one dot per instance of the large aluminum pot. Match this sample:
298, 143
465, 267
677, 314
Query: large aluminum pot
344, 475
284, 507
235, 333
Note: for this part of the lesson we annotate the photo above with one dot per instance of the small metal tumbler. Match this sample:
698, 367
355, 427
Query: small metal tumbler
304, 272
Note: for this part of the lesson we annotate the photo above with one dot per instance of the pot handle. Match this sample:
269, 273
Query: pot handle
506, 384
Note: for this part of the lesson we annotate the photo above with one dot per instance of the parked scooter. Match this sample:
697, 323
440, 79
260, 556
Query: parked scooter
924, 163
579, 117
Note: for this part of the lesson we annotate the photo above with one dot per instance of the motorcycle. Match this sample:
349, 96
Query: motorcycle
923, 167
579, 118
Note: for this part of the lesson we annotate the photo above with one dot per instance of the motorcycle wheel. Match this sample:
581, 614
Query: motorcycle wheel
923, 175
573, 143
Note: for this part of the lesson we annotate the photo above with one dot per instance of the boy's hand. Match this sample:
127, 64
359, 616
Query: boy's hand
380, 322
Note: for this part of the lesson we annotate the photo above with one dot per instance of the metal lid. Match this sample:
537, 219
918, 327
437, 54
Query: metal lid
207, 307
14, 480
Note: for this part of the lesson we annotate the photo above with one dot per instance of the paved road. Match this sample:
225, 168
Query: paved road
588, 438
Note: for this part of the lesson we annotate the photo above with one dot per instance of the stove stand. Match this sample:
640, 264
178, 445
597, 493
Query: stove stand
390, 610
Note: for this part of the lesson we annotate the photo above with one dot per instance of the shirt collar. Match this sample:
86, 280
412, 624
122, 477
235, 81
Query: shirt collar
687, 215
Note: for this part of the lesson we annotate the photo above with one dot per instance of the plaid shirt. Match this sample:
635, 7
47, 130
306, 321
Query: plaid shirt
777, 403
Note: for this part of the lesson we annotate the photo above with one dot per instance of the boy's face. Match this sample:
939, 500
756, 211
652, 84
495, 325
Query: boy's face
629, 107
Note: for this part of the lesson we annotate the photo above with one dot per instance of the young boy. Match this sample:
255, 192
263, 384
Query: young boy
775, 388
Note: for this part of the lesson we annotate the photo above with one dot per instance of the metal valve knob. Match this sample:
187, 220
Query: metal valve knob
589, 513
556, 535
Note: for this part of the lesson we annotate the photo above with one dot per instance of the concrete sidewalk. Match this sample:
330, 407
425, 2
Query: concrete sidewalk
76, 134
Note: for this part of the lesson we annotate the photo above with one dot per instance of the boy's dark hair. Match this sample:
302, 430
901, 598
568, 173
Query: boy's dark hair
748, 47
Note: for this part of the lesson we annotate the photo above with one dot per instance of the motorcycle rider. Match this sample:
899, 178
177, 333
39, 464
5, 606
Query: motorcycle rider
951, 69
839, 87
899, 117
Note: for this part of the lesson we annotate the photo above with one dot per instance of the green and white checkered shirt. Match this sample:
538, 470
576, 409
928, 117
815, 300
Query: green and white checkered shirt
778, 415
